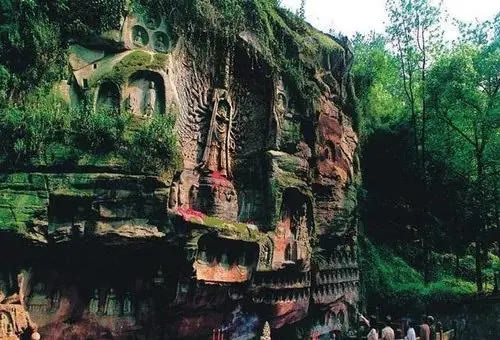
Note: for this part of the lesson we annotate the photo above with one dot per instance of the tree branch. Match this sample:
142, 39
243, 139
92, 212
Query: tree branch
450, 123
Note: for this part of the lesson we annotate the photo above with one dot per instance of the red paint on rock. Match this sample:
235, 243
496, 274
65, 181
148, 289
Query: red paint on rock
189, 214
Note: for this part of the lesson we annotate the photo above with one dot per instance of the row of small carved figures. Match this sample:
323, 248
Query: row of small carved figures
279, 296
342, 258
281, 280
335, 289
48, 305
292, 295
111, 305
337, 275
304, 279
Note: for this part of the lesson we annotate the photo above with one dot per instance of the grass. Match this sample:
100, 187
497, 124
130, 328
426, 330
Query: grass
121, 72
392, 284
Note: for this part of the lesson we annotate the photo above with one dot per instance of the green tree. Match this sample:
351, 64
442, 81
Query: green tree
377, 84
464, 95
302, 10
415, 32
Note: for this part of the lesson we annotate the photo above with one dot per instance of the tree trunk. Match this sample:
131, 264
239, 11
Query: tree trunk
479, 219
479, 266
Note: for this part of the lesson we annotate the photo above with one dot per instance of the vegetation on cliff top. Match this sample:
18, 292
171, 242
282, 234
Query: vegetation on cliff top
34, 37
286, 42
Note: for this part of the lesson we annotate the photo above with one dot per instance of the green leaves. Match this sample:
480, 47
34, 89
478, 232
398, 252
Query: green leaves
391, 283
153, 147
377, 84
45, 132
463, 94
34, 34
99, 131
439, 177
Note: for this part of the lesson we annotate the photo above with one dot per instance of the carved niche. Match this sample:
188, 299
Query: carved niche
224, 260
145, 94
108, 97
161, 42
140, 36
292, 232
149, 32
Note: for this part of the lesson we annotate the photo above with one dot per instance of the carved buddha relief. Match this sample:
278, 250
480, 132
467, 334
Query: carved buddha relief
145, 94
150, 100
5, 325
128, 308
112, 306
265, 253
279, 109
140, 36
161, 42
220, 143
94, 303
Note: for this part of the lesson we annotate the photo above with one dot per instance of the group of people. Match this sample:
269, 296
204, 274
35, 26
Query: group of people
426, 329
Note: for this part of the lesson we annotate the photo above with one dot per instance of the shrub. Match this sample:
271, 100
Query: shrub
44, 131
153, 147
98, 131
28, 130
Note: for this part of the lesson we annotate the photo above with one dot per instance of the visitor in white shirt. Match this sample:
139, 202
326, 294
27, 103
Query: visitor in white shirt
410, 334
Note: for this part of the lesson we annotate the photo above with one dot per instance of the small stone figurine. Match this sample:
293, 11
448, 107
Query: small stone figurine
94, 303
266, 332
150, 100
112, 307
127, 305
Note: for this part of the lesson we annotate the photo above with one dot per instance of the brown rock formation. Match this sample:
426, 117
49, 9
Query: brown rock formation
258, 225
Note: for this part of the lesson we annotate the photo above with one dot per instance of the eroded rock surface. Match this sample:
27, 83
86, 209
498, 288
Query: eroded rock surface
259, 224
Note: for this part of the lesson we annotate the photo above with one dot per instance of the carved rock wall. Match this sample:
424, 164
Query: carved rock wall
259, 224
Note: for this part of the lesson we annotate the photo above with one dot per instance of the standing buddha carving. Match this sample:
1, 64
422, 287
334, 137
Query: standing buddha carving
150, 100
216, 157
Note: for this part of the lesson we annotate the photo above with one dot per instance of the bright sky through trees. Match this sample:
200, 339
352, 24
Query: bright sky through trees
350, 16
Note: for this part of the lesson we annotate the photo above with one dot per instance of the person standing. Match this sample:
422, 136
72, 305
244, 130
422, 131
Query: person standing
372, 324
410, 334
425, 331
432, 327
387, 331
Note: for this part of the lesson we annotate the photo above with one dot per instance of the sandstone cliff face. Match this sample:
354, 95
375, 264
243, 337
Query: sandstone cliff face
258, 224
